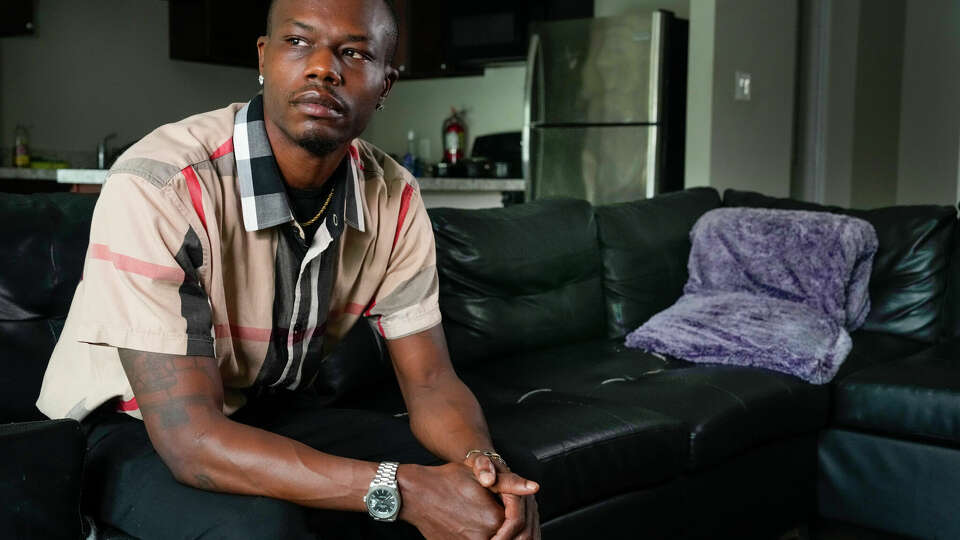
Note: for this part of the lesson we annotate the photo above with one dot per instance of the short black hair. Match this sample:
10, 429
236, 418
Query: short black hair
393, 33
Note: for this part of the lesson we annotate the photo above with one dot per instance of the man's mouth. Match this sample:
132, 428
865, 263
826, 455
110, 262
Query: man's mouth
319, 104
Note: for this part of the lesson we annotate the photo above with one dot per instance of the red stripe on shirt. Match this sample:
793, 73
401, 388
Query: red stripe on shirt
246, 333
196, 196
224, 149
404, 206
355, 154
129, 264
127, 406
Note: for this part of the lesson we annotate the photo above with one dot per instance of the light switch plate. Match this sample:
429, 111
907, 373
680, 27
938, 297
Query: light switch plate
742, 89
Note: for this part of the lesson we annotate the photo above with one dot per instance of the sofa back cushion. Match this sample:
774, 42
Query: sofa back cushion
43, 245
951, 304
644, 246
519, 278
910, 270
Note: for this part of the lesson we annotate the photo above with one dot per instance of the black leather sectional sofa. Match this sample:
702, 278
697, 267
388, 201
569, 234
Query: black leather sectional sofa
536, 299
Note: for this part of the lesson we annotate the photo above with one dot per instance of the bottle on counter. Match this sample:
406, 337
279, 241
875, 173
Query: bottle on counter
21, 147
410, 158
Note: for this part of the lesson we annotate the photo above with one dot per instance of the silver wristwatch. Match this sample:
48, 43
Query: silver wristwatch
383, 497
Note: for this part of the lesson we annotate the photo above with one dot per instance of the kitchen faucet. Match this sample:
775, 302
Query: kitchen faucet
102, 151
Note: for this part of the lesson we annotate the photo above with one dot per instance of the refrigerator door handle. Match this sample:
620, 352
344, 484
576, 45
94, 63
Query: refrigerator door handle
533, 54
654, 169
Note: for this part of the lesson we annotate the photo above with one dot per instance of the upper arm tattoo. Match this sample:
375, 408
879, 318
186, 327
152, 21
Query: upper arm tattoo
167, 385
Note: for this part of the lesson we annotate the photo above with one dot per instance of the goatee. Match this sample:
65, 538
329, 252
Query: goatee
318, 145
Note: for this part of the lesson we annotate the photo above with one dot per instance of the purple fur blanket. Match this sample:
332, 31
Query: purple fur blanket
775, 289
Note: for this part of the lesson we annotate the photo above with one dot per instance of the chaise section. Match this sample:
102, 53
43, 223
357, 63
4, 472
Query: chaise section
915, 398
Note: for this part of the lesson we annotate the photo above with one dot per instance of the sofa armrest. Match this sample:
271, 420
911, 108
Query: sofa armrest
41, 465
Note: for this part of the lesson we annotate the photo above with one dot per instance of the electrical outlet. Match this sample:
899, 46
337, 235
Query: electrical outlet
742, 89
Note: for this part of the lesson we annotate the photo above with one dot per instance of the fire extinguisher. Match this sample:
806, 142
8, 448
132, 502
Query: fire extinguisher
454, 137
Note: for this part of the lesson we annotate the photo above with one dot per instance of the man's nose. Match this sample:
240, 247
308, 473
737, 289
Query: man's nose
324, 66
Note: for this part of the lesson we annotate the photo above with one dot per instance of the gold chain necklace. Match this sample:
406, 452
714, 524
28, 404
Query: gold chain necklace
320, 213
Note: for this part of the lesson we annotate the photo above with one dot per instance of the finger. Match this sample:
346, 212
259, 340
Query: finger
484, 471
514, 513
514, 484
533, 519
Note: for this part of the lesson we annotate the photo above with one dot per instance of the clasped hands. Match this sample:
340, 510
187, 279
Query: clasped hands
477, 499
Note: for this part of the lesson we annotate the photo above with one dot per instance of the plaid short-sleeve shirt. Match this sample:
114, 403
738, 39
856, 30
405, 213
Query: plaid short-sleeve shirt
194, 251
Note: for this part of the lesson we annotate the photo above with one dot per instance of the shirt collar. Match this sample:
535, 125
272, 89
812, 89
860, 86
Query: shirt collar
262, 195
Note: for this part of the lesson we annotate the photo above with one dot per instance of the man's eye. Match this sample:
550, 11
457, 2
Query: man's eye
295, 41
353, 53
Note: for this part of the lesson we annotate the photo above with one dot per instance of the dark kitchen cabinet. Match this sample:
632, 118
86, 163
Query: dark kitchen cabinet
16, 17
217, 31
438, 38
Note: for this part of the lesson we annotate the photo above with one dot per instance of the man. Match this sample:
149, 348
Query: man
227, 252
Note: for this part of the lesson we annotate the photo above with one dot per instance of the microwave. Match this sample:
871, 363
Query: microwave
494, 31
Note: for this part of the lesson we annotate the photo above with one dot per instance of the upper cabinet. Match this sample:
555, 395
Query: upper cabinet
438, 38
17, 18
217, 31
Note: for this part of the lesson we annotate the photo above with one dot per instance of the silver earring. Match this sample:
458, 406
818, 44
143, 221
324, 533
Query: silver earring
260, 80
379, 105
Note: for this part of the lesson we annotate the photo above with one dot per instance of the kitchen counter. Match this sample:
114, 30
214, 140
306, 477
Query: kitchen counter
97, 176
61, 176
472, 184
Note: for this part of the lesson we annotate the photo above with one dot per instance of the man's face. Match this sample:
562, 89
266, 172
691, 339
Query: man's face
325, 67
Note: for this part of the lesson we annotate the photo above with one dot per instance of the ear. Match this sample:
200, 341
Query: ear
261, 44
390, 76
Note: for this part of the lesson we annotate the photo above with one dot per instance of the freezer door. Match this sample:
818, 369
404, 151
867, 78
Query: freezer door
597, 71
599, 164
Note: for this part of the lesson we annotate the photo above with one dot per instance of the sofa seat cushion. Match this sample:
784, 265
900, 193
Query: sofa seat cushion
582, 450
25, 348
40, 477
871, 348
917, 397
725, 410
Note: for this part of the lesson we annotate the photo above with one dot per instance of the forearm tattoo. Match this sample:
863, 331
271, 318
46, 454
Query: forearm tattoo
154, 378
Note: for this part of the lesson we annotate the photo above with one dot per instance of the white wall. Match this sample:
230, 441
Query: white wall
930, 114
750, 144
877, 108
703, 15
101, 66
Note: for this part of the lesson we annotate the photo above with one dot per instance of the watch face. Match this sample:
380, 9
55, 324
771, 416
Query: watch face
382, 503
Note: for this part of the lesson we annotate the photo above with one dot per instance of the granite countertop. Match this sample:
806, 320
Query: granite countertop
97, 176
61, 176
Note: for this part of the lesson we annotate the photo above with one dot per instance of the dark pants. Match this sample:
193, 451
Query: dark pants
127, 486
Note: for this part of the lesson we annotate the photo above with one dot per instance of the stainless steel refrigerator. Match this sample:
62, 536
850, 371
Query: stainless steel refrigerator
605, 107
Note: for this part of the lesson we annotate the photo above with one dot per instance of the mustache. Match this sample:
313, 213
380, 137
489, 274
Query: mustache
320, 95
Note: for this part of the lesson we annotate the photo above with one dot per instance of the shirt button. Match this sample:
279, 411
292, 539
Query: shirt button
335, 220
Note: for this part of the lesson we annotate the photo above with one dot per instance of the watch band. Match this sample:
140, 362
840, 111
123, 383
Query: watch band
386, 475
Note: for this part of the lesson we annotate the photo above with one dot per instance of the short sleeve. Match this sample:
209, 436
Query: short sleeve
141, 286
407, 301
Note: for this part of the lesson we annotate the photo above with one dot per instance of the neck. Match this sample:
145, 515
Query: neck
300, 168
